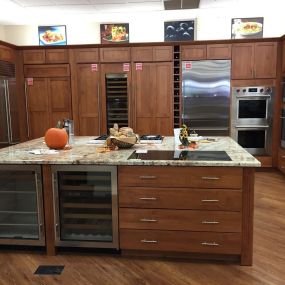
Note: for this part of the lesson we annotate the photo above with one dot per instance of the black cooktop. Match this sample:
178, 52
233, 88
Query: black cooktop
101, 138
151, 137
181, 155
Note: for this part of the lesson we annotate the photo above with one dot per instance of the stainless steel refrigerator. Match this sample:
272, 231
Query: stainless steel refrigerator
206, 96
9, 124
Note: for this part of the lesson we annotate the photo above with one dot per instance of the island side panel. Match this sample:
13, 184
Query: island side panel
247, 216
49, 209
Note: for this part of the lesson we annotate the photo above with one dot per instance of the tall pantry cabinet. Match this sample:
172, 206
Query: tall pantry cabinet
152, 88
47, 89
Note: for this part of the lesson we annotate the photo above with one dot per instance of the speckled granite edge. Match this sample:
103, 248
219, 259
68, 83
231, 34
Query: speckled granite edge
84, 153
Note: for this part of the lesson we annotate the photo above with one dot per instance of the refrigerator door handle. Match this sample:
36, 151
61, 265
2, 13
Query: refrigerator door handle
8, 113
7, 110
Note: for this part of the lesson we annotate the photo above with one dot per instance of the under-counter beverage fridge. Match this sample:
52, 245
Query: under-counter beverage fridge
206, 96
85, 202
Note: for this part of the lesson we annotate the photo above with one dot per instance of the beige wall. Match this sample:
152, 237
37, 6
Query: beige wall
149, 26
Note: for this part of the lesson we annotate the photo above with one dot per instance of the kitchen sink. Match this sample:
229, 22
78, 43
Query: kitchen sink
181, 155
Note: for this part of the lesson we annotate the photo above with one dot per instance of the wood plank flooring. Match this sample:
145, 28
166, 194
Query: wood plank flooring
17, 268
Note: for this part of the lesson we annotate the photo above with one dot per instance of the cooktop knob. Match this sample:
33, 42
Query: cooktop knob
268, 90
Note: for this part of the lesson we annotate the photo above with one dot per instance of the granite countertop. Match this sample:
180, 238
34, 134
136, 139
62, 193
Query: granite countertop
84, 153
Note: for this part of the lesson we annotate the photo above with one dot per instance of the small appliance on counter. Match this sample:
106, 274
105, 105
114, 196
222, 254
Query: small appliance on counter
157, 139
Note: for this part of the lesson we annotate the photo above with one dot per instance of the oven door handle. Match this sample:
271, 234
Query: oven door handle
252, 126
253, 96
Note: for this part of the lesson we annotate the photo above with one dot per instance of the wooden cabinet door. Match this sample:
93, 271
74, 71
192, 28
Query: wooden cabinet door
242, 60
153, 98
37, 103
265, 60
36, 56
88, 100
283, 57
119, 54
59, 99
7, 54
141, 54
162, 53
193, 52
219, 51
57, 56
83, 55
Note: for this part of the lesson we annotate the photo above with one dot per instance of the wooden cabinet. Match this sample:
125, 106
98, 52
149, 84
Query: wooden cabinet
202, 210
201, 52
86, 55
87, 82
281, 160
118, 54
48, 97
254, 60
153, 97
7, 54
152, 53
41, 56
283, 57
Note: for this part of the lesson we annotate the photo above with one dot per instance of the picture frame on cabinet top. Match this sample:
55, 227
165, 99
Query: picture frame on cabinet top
114, 33
180, 30
247, 28
52, 35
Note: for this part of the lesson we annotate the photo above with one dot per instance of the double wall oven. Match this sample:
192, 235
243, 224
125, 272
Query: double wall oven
251, 121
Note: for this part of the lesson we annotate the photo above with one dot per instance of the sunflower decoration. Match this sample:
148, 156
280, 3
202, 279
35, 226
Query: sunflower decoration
183, 135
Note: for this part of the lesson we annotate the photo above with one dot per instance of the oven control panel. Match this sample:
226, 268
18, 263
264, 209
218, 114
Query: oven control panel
255, 90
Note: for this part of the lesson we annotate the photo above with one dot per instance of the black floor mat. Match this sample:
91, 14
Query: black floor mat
49, 269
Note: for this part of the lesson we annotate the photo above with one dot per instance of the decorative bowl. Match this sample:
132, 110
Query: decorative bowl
124, 142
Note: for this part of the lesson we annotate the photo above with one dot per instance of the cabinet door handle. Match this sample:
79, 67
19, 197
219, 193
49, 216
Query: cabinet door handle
205, 243
210, 178
148, 198
148, 220
147, 177
210, 222
210, 200
282, 156
149, 241
27, 110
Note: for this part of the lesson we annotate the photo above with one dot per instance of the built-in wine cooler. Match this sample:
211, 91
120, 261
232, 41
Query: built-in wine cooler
21, 205
85, 200
117, 99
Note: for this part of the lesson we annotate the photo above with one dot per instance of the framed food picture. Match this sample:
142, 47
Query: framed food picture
114, 33
179, 31
247, 28
52, 35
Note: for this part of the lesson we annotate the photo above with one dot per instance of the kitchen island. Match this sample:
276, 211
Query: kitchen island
203, 208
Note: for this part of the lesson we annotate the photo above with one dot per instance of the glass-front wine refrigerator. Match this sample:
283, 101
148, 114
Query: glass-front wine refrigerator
86, 208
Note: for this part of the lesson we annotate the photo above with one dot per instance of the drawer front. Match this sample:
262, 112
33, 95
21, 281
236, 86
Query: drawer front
180, 241
57, 56
200, 177
120, 54
163, 198
180, 220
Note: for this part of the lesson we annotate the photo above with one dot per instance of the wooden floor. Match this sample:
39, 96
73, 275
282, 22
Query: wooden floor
17, 268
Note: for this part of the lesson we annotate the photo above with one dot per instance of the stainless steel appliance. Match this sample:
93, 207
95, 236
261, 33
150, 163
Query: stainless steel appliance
9, 130
21, 205
251, 121
206, 96
86, 207
283, 128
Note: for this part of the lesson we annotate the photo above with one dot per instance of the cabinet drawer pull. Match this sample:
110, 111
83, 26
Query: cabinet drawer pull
282, 156
205, 243
282, 167
148, 198
210, 178
149, 241
210, 200
147, 177
210, 222
148, 220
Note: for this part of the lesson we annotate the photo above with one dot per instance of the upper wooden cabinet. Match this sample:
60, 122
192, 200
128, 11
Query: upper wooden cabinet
7, 54
118, 54
200, 52
153, 53
44, 70
85, 55
254, 60
40, 56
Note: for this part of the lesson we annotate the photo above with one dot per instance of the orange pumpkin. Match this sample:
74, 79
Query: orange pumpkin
56, 138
